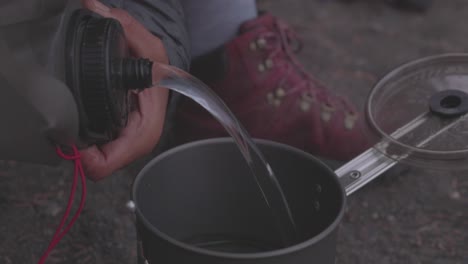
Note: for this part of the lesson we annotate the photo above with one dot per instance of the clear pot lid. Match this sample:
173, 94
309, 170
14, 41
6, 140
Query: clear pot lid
419, 112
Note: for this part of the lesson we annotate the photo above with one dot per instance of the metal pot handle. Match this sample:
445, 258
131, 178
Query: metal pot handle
363, 169
375, 161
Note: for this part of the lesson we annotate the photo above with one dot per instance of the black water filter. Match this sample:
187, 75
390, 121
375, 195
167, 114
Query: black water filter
100, 72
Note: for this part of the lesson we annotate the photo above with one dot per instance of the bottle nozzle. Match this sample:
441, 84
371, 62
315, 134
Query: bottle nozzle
137, 74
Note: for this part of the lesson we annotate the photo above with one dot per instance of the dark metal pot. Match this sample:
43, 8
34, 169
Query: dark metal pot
198, 203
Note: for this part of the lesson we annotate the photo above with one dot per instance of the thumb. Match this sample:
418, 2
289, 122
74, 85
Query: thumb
97, 7
140, 40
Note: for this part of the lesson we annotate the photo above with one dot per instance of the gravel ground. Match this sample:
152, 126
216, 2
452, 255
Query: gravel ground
420, 216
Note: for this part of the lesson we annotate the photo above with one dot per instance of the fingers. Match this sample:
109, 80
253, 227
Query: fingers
145, 126
100, 162
139, 138
140, 40
153, 105
153, 101
92, 158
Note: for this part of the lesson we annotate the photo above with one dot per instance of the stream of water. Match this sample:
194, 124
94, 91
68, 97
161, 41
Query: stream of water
185, 84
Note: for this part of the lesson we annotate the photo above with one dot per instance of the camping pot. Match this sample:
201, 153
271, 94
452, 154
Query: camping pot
198, 203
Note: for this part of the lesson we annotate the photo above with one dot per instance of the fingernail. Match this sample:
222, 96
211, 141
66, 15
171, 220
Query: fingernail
136, 91
101, 8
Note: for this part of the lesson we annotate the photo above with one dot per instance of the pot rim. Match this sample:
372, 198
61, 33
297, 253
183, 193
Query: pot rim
266, 254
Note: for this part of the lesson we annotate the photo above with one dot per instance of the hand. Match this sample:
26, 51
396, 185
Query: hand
145, 125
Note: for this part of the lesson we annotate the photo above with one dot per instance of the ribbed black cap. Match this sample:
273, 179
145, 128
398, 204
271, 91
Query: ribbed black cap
137, 73
96, 86
100, 73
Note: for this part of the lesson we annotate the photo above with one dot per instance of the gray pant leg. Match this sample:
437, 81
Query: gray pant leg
165, 19
212, 23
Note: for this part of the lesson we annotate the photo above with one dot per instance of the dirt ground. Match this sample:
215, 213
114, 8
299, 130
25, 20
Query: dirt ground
420, 216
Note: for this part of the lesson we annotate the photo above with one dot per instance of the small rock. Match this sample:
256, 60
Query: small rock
440, 246
376, 27
48, 232
455, 195
131, 206
53, 209
375, 216
391, 218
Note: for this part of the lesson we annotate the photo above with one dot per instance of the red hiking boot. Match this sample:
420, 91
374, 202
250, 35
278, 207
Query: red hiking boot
259, 78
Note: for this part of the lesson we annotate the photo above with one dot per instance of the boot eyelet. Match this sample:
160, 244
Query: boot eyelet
273, 99
253, 46
326, 116
307, 96
277, 102
328, 107
305, 105
280, 92
352, 114
269, 63
350, 120
306, 101
261, 67
270, 98
261, 43
327, 111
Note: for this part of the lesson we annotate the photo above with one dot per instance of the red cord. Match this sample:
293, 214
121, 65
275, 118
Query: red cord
78, 171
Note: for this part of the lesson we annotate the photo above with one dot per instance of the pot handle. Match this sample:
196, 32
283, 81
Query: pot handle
363, 169
373, 162
378, 159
